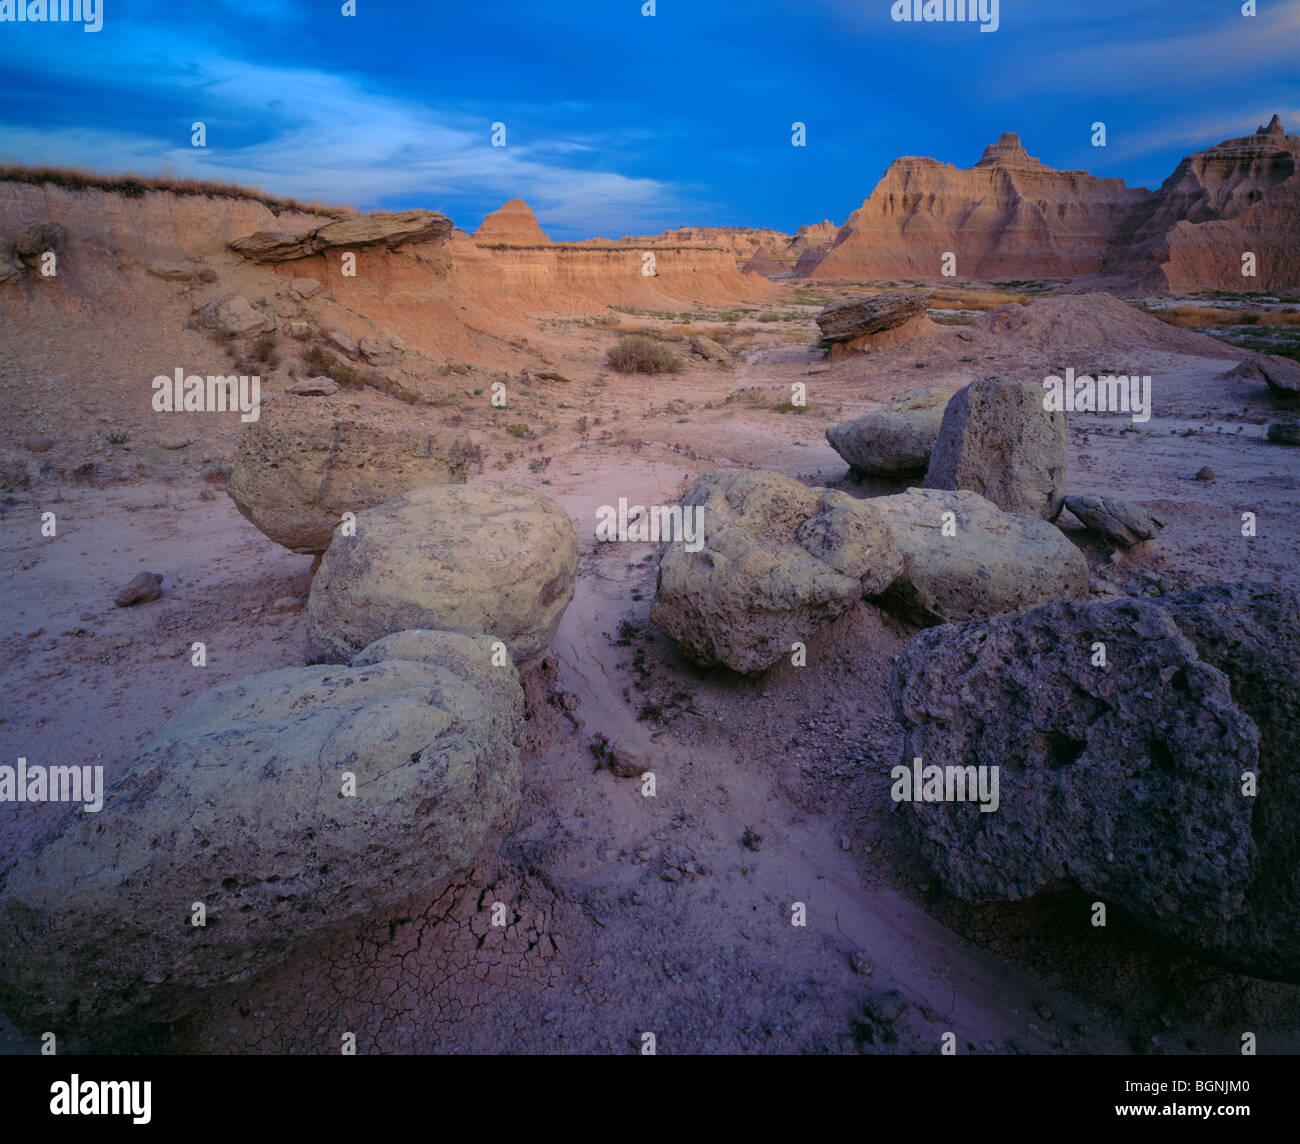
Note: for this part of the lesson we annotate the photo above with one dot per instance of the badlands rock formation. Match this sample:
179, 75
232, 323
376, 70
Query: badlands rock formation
895, 440
236, 803
306, 461
493, 559
757, 251
1012, 217
1241, 196
513, 224
1124, 781
996, 439
780, 561
1009, 216
993, 563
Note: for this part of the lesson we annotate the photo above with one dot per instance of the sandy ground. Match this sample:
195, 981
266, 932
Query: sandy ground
633, 914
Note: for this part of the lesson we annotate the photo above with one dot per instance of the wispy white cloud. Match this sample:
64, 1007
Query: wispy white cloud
1196, 132
336, 138
1227, 51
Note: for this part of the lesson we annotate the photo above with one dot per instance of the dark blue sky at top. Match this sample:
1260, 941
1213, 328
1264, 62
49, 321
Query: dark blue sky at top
619, 123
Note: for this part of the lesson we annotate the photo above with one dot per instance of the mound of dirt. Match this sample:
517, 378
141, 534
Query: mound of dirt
1093, 323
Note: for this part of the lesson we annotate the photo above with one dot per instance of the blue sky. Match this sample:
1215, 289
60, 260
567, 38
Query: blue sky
619, 123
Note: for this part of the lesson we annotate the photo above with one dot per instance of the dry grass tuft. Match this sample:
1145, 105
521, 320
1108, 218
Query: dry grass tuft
136, 186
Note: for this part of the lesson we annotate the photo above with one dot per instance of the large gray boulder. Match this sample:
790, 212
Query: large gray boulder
780, 560
998, 440
238, 803
979, 561
1124, 780
493, 558
894, 440
305, 462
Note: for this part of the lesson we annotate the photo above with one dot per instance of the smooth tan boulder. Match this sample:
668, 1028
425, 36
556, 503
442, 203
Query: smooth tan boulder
306, 461
993, 562
894, 440
779, 561
238, 803
494, 558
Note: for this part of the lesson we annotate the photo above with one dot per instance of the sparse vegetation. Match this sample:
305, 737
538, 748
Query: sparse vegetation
639, 354
265, 350
317, 360
135, 186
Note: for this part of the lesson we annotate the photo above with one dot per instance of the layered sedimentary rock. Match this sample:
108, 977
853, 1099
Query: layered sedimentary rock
513, 224
1009, 216
1241, 197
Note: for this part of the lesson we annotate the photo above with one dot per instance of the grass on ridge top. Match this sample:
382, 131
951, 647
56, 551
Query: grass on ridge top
135, 186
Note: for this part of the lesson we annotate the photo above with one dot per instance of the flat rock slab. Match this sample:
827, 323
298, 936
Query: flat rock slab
1122, 523
857, 317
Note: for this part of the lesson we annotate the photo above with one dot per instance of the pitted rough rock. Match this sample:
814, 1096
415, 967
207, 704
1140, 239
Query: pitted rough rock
235, 313
305, 462
1121, 523
997, 440
896, 439
236, 803
854, 318
780, 560
493, 558
996, 563
1124, 781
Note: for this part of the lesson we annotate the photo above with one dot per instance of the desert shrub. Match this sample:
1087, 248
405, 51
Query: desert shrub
265, 350
318, 360
519, 431
135, 186
639, 354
